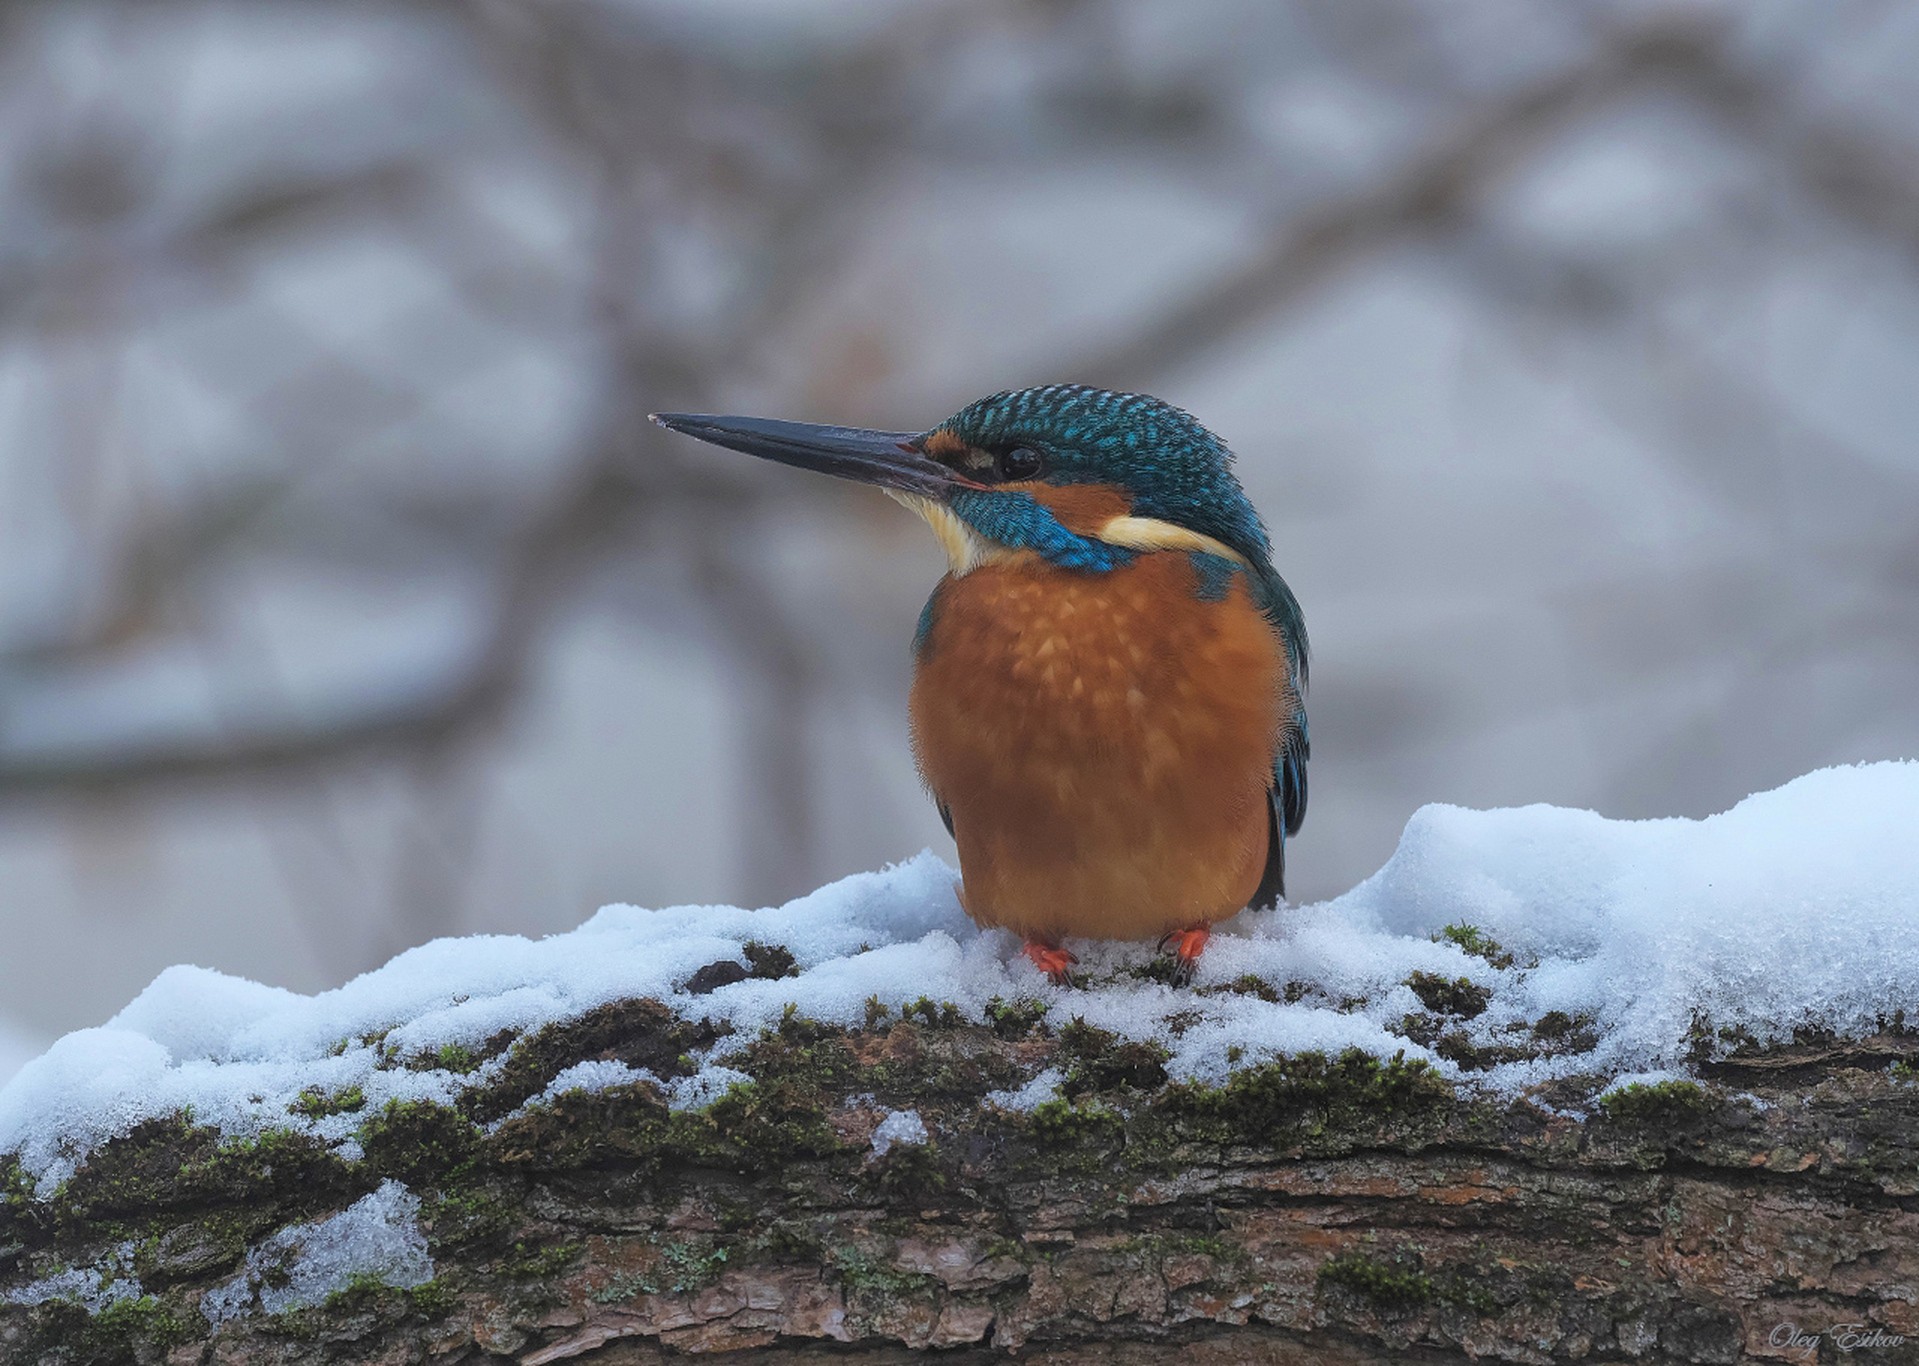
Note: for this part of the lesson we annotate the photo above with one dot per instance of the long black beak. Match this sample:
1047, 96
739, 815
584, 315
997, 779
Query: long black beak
891, 460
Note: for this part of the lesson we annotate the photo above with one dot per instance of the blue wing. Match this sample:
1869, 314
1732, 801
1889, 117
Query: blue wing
1286, 809
1287, 796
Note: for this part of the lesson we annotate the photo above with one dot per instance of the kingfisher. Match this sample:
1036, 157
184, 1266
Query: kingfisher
1107, 688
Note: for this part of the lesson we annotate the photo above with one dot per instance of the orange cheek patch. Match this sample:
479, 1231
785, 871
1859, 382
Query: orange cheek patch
944, 446
1081, 508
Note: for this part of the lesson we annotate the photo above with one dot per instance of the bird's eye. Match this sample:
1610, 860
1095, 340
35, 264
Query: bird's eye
1021, 462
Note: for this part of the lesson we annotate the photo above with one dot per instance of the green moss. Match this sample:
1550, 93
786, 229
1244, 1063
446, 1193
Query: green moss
420, 1141
317, 1103
16, 1187
802, 1029
1163, 968
139, 1329
22, 1219
170, 1162
620, 1125
143, 1322
1308, 1093
799, 1068
906, 1171
930, 1053
1478, 943
205, 1245
642, 1034
1706, 1042
1566, 1033
800, 1051
470, 1217
771, 961
936, 1014
1096, 1060
1470, 1293
1249, 985
1457, 1046
1014, 1019
454, 1057
922, 1064
458, 1058
359, 1285
1554, 1024
1396, 1286
432, 1299
1163, 1244
1085, 1125
1461, 996
528, 1262
1665, 1102
281, 1162
365, 1294
753, 1126
861, 1273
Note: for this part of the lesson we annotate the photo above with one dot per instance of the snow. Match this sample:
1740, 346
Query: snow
703, 1087
596, 1074
377, 1236
1794, 909
94, 1287
899, 1126
1027, 1098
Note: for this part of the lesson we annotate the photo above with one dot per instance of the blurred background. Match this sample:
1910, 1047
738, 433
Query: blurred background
347, 598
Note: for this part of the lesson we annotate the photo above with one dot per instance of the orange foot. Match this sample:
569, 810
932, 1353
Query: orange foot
1052, 960
1187, 946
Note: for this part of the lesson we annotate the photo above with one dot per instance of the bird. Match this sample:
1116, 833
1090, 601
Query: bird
1107, 702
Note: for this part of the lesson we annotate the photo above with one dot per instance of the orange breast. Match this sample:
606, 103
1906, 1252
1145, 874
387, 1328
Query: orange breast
1103, 742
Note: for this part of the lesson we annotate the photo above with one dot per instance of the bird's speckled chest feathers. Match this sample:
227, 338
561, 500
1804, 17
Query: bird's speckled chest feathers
1103, 742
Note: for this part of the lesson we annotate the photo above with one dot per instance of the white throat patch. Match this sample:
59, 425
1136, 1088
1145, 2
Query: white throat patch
966, 550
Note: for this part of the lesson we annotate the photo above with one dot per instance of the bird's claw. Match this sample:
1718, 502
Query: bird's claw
1187, 945
1056, 962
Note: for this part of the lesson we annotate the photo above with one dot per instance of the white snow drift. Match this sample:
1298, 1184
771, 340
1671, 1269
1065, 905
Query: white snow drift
1799, 907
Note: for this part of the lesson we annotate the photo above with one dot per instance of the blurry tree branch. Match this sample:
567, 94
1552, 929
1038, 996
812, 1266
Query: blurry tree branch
1427, 193
546, 554
1860, 177
549, 51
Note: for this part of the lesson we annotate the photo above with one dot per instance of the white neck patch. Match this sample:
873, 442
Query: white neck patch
966, 550
1149, 533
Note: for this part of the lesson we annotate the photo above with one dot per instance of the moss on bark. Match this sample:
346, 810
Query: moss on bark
1313, 1208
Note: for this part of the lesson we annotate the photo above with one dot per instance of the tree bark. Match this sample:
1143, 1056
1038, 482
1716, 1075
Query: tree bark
1318, 1210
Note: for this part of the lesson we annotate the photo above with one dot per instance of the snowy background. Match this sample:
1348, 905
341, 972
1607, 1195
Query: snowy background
347, 600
